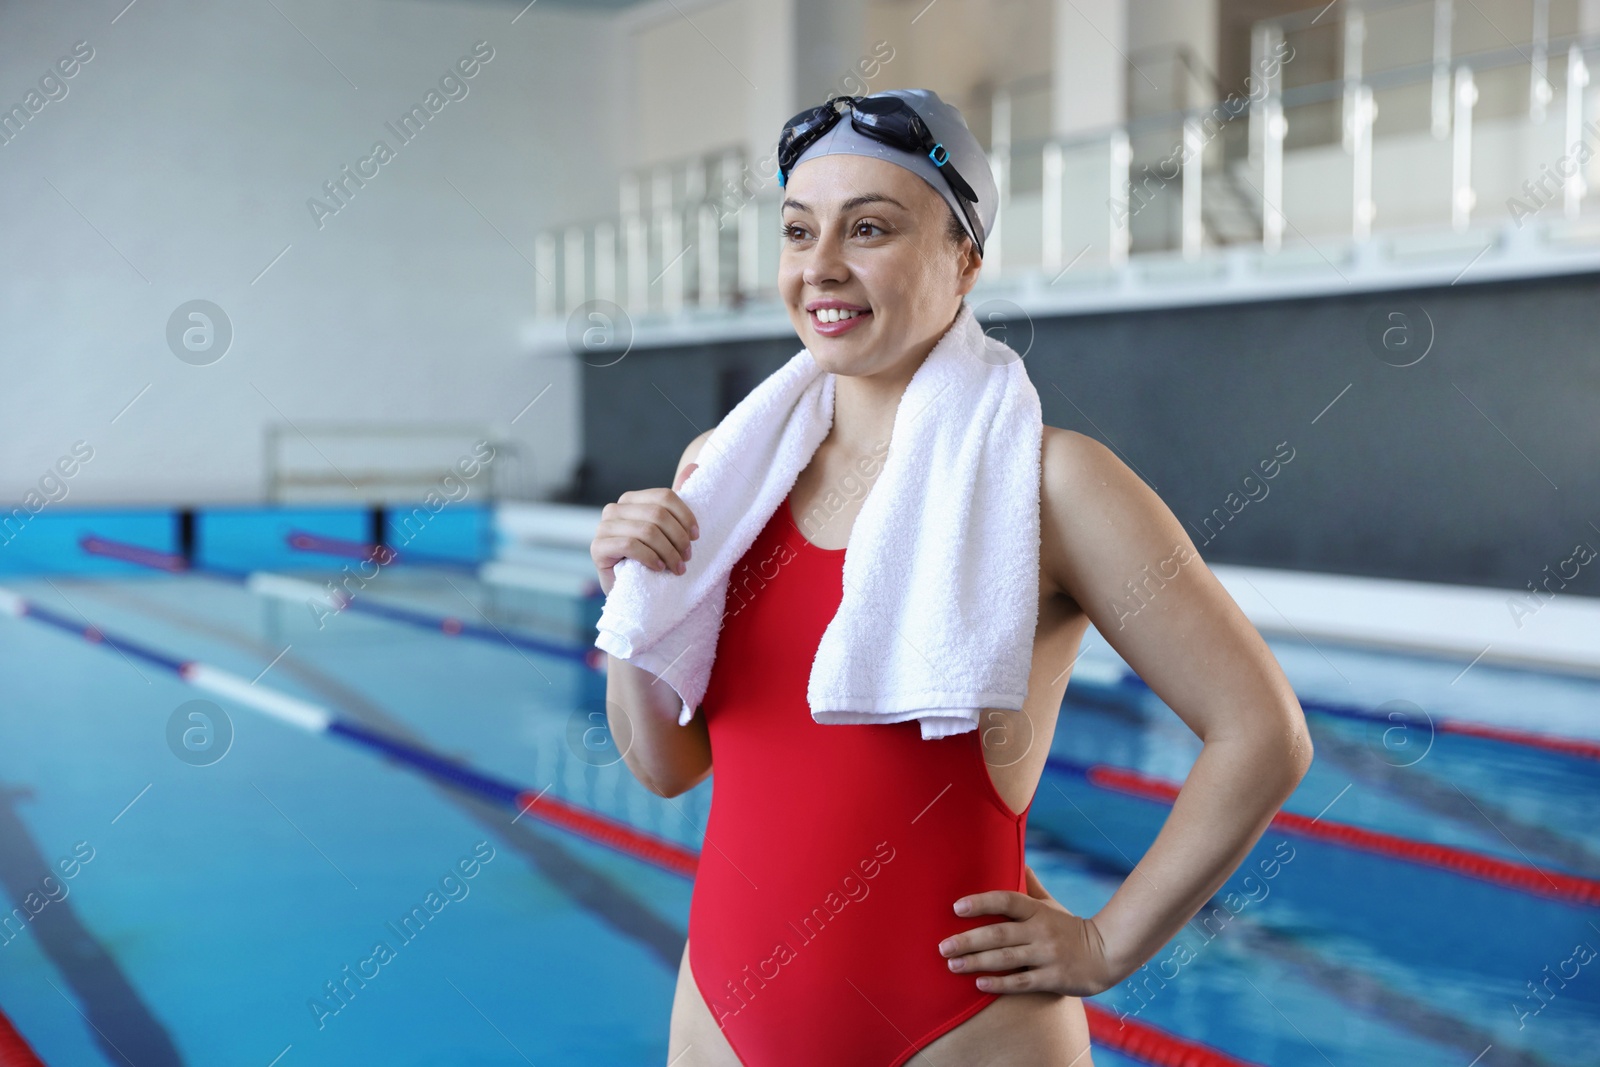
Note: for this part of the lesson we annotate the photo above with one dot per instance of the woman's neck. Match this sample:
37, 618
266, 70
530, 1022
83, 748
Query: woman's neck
865, 406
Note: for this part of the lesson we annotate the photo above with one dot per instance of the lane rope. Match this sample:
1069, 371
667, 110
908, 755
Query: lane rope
311, 718
1555, 885
284, 587
1153, 1045
320, 544
14, 1050
1115, 676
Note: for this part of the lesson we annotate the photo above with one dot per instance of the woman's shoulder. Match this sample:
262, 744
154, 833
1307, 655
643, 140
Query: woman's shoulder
1098, 516
691, 454
1071, 462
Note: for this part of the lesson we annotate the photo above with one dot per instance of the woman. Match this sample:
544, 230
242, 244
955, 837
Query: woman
880, 233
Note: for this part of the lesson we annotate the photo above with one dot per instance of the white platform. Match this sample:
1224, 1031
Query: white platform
1561, 634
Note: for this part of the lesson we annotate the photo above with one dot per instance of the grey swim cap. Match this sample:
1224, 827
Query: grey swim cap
948, 128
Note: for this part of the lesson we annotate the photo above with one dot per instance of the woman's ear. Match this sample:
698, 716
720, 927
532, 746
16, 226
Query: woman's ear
968, 266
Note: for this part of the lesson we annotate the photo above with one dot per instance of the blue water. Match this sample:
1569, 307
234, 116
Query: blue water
227, 895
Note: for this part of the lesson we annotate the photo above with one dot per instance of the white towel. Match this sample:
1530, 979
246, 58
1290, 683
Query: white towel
941, 572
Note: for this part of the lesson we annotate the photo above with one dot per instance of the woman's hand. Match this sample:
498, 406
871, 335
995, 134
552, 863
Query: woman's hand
1063, 953
653, 526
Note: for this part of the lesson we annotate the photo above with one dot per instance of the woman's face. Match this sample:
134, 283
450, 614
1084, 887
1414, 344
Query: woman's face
871, 235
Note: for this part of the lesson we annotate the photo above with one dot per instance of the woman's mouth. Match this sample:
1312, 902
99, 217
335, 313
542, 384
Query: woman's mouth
831, 322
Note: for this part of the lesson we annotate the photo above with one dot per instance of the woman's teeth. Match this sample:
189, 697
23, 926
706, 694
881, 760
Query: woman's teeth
835, 314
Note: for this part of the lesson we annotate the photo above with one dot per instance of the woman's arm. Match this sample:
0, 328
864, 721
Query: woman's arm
642, 710
1189, 641
1118, 550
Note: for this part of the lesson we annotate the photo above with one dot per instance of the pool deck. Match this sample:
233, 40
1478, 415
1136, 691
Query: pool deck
1549, 632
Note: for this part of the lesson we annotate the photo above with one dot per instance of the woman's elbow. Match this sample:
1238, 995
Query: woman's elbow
674, 788
1298, 753
664, 782
1282, 755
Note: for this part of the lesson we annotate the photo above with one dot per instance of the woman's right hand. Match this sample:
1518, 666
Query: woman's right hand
652, 526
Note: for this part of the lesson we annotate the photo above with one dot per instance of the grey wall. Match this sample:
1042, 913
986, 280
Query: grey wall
640, 412
179, 164
1477, 464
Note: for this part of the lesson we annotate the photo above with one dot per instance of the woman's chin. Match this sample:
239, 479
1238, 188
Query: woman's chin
845, 367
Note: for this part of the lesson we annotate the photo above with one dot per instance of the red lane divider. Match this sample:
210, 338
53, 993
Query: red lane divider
147, 557
338, 546
618, 835
1125, 781
1569, 745
1152, 1045
1553, 884
14, 1051
383, 555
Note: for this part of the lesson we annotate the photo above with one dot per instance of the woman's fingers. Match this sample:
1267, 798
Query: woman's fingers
608, 551
1034, 981
648, 543
1061, 951
995, 947
665, 505
998, 902
655, 524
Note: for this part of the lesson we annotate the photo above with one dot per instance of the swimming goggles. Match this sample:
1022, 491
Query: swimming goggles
889, 120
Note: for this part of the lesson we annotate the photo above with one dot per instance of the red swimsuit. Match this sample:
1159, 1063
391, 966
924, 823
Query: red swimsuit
833, 853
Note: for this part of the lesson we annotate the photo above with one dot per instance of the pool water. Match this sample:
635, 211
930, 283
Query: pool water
305, 900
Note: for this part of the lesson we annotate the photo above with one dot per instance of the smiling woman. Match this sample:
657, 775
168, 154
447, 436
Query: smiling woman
960, 955
878, 250
880, 239
868, 255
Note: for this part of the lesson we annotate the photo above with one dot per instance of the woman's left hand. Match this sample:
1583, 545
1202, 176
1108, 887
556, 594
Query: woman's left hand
1063, 952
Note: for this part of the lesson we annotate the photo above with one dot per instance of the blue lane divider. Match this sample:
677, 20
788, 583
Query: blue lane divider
97, 636
474, 781
311, 718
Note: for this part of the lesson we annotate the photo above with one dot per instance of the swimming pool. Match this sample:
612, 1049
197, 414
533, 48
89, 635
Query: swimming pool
311, 898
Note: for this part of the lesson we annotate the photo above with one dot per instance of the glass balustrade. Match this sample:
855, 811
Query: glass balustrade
1397, 119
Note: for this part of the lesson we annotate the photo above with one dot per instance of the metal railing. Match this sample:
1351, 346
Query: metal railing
1187, 181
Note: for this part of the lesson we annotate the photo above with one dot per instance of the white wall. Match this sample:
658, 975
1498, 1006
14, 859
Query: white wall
963, 50
1159, 24
1090, 71
191, 142
691, 75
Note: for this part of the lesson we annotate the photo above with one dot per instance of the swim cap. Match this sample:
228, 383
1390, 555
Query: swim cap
948, 128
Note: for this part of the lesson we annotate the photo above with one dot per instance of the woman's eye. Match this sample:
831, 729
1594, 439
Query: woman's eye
790, 231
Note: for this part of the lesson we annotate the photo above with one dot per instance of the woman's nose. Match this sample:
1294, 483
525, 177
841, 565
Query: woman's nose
826, 261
